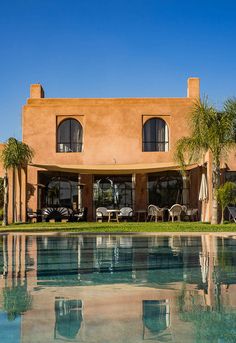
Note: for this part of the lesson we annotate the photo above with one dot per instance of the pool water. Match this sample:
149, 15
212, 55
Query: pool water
117, 288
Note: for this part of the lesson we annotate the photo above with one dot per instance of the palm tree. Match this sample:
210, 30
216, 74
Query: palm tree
211, 131
15, 155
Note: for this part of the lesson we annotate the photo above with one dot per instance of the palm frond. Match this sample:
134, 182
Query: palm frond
203, 117
16, 154
186, 152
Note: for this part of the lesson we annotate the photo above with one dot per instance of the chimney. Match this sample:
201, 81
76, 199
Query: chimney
193, 87
36, 91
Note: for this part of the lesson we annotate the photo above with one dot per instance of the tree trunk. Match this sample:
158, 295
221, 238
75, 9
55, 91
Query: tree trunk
14, 195
19, 217
5, 205
222, 215
215, 186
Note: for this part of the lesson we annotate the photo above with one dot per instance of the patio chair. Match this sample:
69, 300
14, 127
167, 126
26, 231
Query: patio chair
34, 215
80, 215
175, 212
101, 213
126, 213
185, 213
232, 213
154, 213
190, 214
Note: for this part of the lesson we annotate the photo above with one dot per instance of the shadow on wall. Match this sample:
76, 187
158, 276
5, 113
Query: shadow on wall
30, 190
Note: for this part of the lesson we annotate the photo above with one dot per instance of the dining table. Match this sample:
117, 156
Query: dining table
113, 215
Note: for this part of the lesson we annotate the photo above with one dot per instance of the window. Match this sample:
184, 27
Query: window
114, 191
69, 136
165, 188
58, 189
155, 135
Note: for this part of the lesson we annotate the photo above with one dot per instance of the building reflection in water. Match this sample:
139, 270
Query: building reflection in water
156, 319
116, 288
68, 318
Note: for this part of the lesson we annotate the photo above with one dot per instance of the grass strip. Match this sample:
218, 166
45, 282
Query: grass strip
120, 227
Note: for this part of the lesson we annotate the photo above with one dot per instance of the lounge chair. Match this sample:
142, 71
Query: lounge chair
175, 212
154, 213
232, 213
57, 213
101, 213
126, 213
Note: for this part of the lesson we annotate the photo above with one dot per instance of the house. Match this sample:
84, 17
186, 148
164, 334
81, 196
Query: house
110, 152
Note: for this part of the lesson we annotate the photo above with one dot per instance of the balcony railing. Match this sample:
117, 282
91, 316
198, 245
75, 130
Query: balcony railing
69, 147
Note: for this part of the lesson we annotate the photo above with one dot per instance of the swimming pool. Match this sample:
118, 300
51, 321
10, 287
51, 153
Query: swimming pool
117, 288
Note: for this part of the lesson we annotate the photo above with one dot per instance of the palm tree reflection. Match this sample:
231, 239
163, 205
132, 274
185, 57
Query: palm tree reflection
16, 300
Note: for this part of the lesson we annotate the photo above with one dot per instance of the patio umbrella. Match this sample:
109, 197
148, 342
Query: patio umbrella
203, 196
203, 193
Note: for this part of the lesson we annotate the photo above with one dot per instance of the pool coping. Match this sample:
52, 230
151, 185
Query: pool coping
89, 233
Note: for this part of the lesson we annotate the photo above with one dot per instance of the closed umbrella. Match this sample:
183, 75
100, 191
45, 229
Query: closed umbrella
203, 193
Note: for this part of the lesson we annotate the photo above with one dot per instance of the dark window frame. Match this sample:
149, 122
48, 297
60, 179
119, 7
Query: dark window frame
155, 145
46, 178
165, 188
71, 145
124, 187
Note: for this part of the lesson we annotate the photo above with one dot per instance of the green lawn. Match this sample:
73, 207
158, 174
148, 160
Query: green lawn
120, 227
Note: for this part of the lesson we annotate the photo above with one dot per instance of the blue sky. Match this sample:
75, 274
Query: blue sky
113, 48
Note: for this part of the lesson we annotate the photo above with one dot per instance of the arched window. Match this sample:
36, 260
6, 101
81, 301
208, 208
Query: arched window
69, 136
155, 135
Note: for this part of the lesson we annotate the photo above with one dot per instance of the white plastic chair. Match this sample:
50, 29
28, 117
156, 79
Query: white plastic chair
126, 213
101, 213
154, 212
175, 212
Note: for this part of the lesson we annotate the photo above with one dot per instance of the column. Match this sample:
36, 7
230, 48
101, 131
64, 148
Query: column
87, 196
141, 195
80, 204
24, 195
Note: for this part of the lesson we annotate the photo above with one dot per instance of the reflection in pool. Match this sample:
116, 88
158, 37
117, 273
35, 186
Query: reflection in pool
156, 318
68, 318
117, 288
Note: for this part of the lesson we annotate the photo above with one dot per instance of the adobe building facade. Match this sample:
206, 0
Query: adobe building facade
107, 152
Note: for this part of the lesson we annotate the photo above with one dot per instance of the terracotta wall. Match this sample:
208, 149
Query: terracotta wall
112, 128
230, 161
112, 133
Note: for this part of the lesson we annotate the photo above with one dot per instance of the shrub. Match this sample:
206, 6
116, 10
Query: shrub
226, 195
